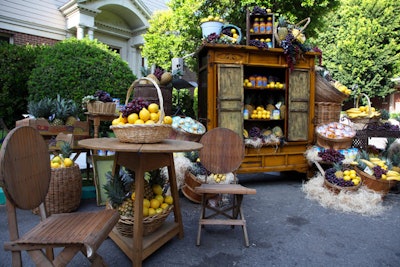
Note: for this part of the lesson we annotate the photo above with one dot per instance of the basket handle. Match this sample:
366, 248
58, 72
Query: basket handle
159, 94
306, 20
368, 100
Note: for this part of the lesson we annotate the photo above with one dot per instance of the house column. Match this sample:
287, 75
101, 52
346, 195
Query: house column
90, 33
80, 32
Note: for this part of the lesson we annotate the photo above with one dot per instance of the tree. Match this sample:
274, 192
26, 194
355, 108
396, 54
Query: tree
176, 32
361, 45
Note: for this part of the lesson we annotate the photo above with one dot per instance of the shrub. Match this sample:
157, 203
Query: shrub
75, 68
16, 64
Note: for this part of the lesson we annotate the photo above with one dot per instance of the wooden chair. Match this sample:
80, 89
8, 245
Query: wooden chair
222, 152
25, 177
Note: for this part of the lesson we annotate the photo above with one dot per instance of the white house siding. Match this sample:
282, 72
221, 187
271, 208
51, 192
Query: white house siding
41, 18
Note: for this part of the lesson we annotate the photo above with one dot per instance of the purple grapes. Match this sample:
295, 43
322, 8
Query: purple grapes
378, 171
259, 10
258, 43
103, 96
331, 155
134, 106
333, 179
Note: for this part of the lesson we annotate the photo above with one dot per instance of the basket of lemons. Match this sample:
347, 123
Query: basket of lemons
140, 121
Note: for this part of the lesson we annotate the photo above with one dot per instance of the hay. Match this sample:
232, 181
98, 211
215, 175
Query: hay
182, 164
363, 201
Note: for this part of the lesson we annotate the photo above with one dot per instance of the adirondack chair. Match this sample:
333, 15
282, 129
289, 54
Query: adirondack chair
222, 152
25, 176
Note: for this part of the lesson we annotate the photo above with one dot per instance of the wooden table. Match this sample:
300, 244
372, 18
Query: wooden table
97, 118
141, 158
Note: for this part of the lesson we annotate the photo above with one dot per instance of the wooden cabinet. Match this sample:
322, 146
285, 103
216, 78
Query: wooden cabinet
223, 96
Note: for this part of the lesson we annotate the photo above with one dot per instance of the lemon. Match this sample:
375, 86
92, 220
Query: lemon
169, 200
115, 121
146, 203
122, 119
346, 178
164, 206
154, 203
133, 117
159, 198
157, 189
159, 210
133, 196
145, 211
149, 122
346, 172
56, 159
55, 165
68, 162
144, 114
153, 108
152, 211
139, 121
154, 117
167, 120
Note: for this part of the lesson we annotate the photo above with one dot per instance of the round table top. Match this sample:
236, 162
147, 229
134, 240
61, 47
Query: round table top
113, 144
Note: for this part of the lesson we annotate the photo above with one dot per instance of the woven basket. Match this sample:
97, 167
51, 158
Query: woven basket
362, 121
143, 133
299, 26
181, 134
326, 92
191, 182
336, 189
326, 112
378, 185
150, 224
334, 143
65, 190
98, 107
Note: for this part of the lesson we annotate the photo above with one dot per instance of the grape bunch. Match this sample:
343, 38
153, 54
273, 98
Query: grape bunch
333, 179
386, 126
212, 38
255, 132
158, 72
259, 10
331, 155
103, 96
227, 31
135, 106
258, 43
378, 171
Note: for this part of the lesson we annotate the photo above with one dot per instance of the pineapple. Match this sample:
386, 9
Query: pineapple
43, 108
126, 208
338, 168
64, 108
66, 150
282, 28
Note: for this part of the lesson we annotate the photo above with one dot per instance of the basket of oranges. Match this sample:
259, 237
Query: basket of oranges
140, 121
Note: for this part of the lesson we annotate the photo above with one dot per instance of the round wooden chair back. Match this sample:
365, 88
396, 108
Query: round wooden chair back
25, 167
222, 152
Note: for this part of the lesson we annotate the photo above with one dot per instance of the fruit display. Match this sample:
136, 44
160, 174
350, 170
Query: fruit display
212, 18
380, 168
262, 82
231, 34
139, 111
336, 130
331, 155
188, 125
260, 113
341, 88
343, 178
63, 160
362, 112
159, 76
382, 126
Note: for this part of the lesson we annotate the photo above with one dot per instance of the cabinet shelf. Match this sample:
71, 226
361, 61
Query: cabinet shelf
265, 88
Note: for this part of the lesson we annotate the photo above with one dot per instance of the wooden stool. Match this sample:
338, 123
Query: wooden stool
223, 152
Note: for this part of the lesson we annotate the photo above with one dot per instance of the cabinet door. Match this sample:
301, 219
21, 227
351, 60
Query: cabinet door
298, 105
230, 97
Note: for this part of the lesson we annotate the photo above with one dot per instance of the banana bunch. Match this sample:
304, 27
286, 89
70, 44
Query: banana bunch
362, 112
341, 88
392, 175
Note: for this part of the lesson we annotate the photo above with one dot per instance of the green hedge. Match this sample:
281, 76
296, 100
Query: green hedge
75, 68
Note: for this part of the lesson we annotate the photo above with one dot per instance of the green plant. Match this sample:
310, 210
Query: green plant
76, 68
16, 64
182, 99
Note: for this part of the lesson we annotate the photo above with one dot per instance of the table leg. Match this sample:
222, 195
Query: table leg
96, 125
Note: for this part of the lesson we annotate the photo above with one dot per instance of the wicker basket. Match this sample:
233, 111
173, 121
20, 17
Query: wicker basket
359, 123
191, 182
326, 92
326, 112
98, 107
144, 133
334, 143
181, 134
336, 189
378, 185
299, 26
150, 224
65, 190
